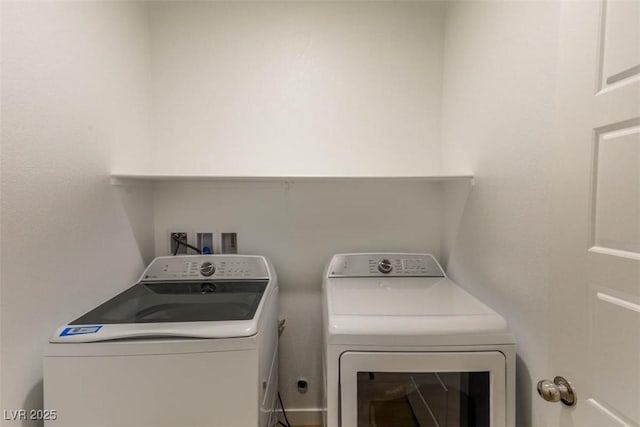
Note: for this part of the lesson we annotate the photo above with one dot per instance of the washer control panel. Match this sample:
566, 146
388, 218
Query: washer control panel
378, 265
206, 267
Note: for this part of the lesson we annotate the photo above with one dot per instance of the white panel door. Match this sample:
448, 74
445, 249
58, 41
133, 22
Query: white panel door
595, 297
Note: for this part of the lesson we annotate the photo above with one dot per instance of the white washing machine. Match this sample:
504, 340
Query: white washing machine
404, 346
193, 343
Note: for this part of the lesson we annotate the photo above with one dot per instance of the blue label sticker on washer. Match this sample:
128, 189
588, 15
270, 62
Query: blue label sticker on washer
80, 330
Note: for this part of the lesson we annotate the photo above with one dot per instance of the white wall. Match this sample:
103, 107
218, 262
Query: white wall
75, 104
498, 120
299, 227
287, 88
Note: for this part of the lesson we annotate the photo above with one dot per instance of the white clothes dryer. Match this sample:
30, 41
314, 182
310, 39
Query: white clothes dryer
405, 346
193, 343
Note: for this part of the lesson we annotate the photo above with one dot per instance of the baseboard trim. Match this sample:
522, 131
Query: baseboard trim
303, 416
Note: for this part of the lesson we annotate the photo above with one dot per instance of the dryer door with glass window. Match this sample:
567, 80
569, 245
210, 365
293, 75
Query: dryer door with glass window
453, 389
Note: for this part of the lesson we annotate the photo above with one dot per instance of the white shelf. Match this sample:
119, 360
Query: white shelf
131, 178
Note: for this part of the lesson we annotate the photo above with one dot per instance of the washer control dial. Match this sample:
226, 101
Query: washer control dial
385, 266
207, 269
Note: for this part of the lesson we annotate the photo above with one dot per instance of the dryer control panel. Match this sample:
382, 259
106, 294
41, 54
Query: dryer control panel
384, 264
199, 267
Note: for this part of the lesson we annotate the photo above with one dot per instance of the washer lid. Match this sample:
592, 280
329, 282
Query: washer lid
180, 302
203, 309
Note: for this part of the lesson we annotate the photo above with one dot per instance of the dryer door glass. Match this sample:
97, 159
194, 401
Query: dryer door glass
449, 389
420, 399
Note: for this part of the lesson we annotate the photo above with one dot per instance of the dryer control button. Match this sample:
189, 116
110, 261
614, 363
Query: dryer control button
385, 266
207, 269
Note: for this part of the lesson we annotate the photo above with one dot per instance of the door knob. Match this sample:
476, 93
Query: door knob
558, 390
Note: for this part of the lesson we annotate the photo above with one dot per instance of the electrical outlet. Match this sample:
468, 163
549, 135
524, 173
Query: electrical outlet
174, 247
303, 385
204, 242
